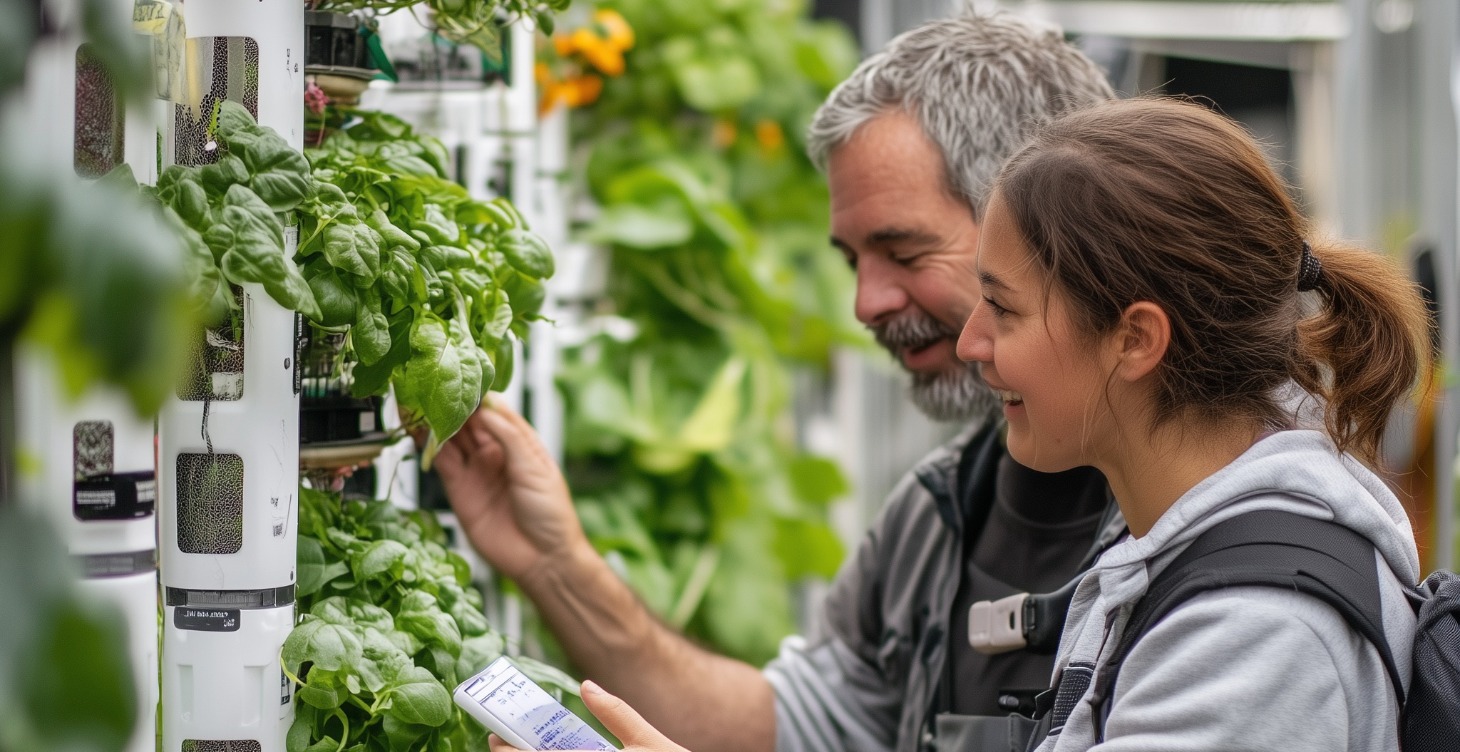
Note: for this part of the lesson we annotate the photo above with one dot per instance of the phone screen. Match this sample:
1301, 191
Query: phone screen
526, 710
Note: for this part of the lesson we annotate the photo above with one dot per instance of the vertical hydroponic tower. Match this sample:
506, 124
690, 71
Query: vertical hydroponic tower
228, 462
91, 465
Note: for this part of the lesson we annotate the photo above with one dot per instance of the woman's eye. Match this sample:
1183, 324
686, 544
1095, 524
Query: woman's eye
998, 310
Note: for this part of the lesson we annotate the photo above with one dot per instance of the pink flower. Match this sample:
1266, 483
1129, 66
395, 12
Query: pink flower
315, 99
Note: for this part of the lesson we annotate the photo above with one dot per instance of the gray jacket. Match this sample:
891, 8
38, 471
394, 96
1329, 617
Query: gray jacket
1253, 668
867, 679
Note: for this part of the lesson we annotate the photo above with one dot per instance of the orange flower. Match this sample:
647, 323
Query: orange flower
549, 95
769, 134
582, 40
562, 44
609, 60
616, 30
586, 89
723, 133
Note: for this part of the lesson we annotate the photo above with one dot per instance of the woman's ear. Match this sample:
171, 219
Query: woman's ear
1142, 340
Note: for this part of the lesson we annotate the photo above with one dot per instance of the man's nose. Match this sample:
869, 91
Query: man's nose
878, 293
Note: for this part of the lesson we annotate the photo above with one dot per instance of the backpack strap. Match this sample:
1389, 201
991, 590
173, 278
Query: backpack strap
1272, 548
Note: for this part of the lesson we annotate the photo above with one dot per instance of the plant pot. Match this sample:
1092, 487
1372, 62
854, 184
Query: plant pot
328, 414
336, 56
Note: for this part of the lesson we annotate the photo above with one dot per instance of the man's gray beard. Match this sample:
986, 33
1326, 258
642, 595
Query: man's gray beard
953, 396
959, 395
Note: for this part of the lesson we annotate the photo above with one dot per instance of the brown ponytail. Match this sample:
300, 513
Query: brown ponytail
1362, 350
1166, 201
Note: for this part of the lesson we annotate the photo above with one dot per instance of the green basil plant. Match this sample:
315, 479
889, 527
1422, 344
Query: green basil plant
390, 625
431, 284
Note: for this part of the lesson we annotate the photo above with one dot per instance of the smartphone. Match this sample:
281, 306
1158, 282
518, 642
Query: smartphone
515, 708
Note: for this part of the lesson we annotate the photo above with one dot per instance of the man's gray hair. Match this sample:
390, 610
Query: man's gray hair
977, 84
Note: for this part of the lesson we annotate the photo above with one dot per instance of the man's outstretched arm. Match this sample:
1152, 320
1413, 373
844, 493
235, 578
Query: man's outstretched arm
514, 506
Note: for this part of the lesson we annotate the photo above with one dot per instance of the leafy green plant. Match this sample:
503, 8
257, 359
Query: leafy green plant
475, 22
680, 446
225, 213
391, 625
86, 272
431, 283
57, 646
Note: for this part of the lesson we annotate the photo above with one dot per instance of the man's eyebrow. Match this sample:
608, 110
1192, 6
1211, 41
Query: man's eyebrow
900, 235
888, 235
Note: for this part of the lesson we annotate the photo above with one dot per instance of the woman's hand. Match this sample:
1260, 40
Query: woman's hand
620, 719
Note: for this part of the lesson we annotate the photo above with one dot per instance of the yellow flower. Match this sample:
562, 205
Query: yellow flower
616, 30
599, 52
769, 134
562, 44
582, 90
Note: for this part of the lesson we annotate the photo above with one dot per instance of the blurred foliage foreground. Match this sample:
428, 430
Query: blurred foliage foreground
681, 448
87, 274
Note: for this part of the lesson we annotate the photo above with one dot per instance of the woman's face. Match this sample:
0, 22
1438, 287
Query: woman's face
1053, 382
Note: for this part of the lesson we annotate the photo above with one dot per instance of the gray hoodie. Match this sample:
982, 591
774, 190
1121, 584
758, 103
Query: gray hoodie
1249, 668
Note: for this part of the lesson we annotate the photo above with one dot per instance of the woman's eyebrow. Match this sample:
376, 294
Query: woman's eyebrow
990, 280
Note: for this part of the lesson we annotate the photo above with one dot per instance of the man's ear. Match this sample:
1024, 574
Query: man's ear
1142, 340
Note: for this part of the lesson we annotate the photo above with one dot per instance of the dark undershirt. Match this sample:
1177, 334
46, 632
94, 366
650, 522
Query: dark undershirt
1038, 532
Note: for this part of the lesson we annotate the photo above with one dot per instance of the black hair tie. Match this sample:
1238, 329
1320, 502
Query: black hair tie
1310, 270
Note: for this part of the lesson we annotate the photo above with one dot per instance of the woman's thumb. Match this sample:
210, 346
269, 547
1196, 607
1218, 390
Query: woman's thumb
621, 720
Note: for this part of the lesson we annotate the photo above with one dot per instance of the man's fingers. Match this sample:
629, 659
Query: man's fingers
623, 721
511, 434
450, 458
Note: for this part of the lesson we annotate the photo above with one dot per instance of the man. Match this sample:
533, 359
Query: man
910, 143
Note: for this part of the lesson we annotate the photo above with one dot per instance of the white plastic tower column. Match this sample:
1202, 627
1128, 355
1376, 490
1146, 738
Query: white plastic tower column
228, 462
90, 462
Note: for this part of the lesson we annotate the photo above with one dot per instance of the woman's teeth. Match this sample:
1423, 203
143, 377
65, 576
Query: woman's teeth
1011, 398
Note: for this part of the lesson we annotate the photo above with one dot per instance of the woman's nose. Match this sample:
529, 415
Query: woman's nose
974, 345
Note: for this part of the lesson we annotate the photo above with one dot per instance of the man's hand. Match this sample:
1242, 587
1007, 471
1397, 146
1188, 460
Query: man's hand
508, 494
620, 719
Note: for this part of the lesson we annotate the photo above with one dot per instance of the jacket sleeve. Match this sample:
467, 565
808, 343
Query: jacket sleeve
1252, 669
837, 692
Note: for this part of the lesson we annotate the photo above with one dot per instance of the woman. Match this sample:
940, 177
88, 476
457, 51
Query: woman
1148, 289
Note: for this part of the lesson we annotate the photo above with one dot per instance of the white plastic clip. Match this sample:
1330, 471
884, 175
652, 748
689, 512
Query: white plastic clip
997, 626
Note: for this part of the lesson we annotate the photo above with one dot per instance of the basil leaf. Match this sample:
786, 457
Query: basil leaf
330, 647
280, 175
354, 248
381, 557
527, 253
418, 698
227, 172
372, 379
371, 333
234, 119
438, 227
389, 233
255, 251
190, 201
421, 616
336, 299
443, 378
